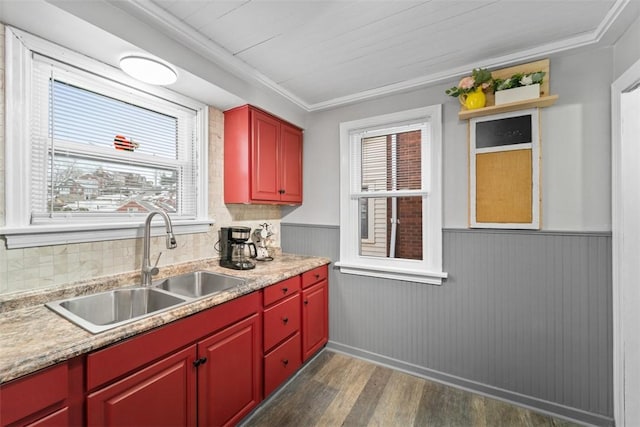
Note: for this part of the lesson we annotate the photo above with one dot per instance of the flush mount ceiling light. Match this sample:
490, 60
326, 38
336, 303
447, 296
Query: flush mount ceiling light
148, 70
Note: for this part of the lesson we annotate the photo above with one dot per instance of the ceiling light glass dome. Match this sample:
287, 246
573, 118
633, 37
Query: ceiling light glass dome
148, 70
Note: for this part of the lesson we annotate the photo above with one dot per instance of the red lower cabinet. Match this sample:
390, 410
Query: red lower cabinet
209, 369
315, 318
229, 375
57, 419
203, 370
281, 362
281, 321
163, 394
281, 343
50, 397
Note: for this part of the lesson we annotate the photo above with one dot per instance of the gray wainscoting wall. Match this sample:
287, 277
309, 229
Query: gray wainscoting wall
524, 316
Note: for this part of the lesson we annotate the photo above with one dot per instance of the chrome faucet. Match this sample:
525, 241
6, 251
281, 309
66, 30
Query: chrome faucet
147, 270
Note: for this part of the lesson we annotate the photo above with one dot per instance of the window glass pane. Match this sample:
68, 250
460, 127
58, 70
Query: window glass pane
364, 218
374, 163
392, 162
85, 117
80, 184
394, 227
409, 169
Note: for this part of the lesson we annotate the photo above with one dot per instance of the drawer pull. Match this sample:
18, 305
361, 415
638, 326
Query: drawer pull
285, 362
306, 302
285, 290
317, 276
199, 362
285, 320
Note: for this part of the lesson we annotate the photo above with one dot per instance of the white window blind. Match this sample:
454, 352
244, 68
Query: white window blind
101, 149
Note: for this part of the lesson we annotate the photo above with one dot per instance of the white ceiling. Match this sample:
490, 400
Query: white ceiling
323, 53
317, 53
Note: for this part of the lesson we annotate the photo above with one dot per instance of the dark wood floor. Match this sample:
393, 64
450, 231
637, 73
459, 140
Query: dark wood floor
338, 390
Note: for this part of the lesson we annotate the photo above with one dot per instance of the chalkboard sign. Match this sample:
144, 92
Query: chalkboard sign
507, 131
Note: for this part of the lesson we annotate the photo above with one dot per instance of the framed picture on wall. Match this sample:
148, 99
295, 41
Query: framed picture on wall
504, 170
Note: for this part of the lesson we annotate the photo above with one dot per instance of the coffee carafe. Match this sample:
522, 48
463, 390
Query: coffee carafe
234, 248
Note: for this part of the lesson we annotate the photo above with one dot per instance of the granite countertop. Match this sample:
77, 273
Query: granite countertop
33, 337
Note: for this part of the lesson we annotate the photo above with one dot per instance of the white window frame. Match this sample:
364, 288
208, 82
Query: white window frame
20, 48
428, 270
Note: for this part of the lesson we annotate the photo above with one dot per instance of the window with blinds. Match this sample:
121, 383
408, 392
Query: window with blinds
91, 151
391, 196
100, 149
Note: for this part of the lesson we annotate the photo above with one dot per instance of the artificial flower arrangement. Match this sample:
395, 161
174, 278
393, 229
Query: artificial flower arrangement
470, 90
518, 80
479, 78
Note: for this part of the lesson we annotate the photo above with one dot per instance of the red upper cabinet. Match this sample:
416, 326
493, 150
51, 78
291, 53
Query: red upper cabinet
262, 158
291, 164
265, 174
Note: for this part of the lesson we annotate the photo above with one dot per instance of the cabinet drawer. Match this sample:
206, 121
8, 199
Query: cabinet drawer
57, 419
281, 363
281, 290
313, 276
281, 320
34, 393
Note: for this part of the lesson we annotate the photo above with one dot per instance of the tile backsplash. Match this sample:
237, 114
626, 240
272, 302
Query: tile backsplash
34, 268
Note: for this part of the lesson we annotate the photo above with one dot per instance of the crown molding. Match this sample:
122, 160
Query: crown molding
206, 47
211, 50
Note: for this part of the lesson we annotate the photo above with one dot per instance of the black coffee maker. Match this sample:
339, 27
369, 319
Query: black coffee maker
233, 248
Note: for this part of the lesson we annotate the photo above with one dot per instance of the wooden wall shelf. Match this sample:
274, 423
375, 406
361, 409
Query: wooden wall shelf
543, 101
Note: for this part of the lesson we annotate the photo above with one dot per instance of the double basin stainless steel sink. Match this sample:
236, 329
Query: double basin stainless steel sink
106, 310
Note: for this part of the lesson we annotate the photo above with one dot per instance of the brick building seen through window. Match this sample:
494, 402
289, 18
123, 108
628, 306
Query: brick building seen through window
392, 226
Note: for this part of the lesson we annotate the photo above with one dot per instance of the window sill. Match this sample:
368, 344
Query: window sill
47, 235
419, 276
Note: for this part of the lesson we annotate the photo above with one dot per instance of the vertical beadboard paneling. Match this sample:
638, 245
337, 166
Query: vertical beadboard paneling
526, 314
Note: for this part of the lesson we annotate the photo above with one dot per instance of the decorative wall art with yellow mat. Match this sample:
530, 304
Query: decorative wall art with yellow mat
504, 170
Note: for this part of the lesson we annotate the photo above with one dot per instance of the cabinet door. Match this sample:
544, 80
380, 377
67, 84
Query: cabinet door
265, 183
315, 318
163, 394
229, 381
291, 164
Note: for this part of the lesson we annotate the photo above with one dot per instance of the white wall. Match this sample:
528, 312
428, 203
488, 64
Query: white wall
627, 49
575, 149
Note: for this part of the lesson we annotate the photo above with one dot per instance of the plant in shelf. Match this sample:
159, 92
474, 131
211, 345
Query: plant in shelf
518, 87
470, 90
